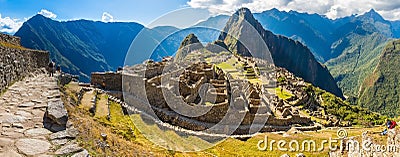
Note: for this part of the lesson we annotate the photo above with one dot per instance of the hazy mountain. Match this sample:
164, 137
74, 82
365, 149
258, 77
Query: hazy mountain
217, 22
311, 30
380, 90
240, 38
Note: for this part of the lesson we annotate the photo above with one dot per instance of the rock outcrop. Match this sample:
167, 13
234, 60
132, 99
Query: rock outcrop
189, 44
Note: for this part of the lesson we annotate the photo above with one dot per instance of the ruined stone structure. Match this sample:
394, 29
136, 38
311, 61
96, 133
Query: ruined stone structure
17, 62
176, 91
107, 80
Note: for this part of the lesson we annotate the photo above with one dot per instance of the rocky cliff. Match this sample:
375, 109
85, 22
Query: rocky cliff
16, 62
240, 33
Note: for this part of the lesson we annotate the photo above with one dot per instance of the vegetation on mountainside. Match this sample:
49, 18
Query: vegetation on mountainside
81, 46
190, 43
359, 58
343, 110
380, 90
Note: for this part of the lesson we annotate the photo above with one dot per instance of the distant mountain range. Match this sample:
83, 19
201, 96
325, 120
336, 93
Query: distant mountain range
319, 33
349, 47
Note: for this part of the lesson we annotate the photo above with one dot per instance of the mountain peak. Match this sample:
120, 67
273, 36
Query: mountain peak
372, 11
188, 45
245, 13
373, 15
245, 36
38, 16
189, 39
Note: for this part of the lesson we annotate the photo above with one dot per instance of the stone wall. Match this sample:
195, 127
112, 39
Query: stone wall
10, 39
17, 62
107, 80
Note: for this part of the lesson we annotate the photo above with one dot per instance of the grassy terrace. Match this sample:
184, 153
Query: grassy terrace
102, 107
124, 139
282, 93
236, 69
5, 44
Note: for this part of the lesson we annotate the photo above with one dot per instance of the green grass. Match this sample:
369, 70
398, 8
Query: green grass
233, 67
282, 93
226, 66
5, 44
343, 110
125, 139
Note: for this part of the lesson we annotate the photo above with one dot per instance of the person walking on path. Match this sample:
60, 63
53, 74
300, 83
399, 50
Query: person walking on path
51, 68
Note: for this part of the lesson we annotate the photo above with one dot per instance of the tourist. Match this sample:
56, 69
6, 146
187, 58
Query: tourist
390, 124
59, 69
51, 68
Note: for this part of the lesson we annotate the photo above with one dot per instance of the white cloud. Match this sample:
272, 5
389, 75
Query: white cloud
389, 9
107, 17
47, 14
9, 25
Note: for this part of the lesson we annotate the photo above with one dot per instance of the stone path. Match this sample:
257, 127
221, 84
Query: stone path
22, 111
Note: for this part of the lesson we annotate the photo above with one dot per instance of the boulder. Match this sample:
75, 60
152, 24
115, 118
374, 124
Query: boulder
56, 116
56, 113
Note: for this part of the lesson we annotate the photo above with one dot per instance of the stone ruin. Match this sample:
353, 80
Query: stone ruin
17, 62
165, 87
311, 105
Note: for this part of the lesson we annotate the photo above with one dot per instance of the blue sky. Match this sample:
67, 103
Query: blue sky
142, 11
14, 12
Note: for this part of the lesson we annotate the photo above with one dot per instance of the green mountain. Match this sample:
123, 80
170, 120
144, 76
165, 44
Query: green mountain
358, 59
240, 36
380, 90
359, 49
80, 47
